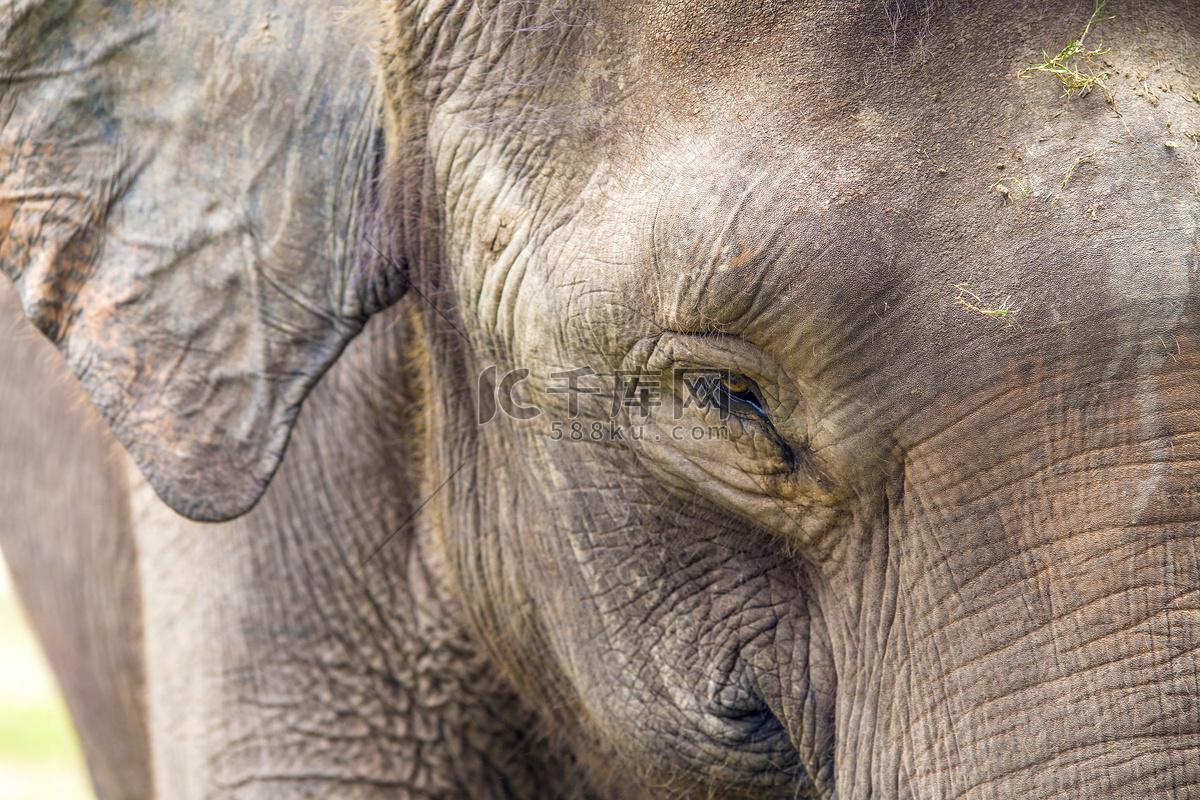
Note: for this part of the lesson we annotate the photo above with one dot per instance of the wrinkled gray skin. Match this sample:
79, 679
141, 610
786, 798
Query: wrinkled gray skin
953, 556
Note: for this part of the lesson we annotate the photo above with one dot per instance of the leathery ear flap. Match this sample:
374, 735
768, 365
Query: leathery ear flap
186, 206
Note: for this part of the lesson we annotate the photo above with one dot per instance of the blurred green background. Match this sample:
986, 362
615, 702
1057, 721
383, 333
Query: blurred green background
39, 754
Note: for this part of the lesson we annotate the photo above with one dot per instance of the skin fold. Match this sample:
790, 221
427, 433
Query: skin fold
936, 536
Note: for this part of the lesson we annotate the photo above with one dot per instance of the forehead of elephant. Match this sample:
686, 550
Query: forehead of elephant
946, 169
705, 43
811, 57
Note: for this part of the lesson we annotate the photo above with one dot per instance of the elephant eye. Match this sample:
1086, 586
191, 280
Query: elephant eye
737, 394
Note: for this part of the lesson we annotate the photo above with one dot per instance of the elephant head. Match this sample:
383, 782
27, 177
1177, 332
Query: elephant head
851, 368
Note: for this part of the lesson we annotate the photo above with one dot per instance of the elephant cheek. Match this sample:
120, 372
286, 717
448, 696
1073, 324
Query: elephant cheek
1044, 589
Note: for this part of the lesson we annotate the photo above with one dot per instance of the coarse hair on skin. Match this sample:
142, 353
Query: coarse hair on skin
908, 19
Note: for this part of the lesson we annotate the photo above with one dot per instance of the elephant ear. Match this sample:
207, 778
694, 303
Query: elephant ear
186, 196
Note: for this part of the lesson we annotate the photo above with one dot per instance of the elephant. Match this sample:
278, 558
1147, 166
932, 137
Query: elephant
609, 399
